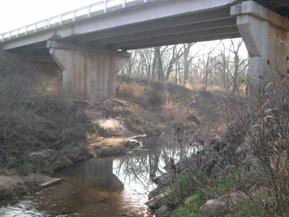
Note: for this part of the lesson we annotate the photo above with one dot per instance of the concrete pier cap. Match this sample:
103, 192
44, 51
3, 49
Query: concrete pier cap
88, 74
266, 35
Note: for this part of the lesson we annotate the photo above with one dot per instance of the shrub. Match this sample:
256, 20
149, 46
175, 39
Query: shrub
269, 137
156, 94
38, 123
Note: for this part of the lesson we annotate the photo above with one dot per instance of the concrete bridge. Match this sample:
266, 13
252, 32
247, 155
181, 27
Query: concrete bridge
90, 44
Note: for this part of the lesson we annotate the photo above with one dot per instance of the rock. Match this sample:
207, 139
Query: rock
154, 192
156, 201
50, 182
163, 211
221, 205
259, 193
40, 155
164, 180
246, 154
155, 179
132, 143
214, 208
235, 199
189, 200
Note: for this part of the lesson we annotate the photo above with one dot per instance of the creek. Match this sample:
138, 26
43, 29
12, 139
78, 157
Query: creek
103, 187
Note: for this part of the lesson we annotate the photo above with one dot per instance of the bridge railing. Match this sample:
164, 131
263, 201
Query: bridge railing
100, 7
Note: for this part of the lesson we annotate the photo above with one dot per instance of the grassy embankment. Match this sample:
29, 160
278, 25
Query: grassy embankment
258, 184
201, 191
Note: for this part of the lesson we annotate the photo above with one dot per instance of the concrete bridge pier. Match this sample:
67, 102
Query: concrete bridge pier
267, 39
88, 74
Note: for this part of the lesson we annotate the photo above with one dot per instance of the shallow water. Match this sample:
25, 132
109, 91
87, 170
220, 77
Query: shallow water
106, 187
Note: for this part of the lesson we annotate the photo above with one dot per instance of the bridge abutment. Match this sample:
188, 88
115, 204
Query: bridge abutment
267, 39
88, 74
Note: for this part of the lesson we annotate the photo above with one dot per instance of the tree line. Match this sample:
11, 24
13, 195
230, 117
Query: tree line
192, 65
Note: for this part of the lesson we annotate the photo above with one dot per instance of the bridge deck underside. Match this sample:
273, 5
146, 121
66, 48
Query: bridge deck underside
202, 25
280, 6
173, 30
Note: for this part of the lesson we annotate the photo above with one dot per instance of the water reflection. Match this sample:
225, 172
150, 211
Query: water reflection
108, 187
151, 161
96, 173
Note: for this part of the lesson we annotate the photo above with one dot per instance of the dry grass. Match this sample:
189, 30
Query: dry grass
269, 136
266, 124
131, 90
178, 113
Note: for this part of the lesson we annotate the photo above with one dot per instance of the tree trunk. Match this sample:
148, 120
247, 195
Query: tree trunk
158, 65
187, 61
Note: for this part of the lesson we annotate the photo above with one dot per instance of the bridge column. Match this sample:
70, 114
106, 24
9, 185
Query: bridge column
88, 74
267, 39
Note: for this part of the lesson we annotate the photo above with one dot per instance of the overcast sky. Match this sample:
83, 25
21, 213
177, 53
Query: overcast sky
17, 13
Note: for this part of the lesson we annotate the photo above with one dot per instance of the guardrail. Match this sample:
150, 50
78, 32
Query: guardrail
102, 6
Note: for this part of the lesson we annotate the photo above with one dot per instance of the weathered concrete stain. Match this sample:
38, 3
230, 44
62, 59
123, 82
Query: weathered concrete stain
87, 74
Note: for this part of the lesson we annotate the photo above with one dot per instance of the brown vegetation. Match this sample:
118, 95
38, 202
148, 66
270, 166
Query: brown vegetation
36, 127
268, 136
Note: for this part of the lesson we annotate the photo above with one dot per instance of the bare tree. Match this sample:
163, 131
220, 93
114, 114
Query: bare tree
221, 66
235, 66
176, 54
